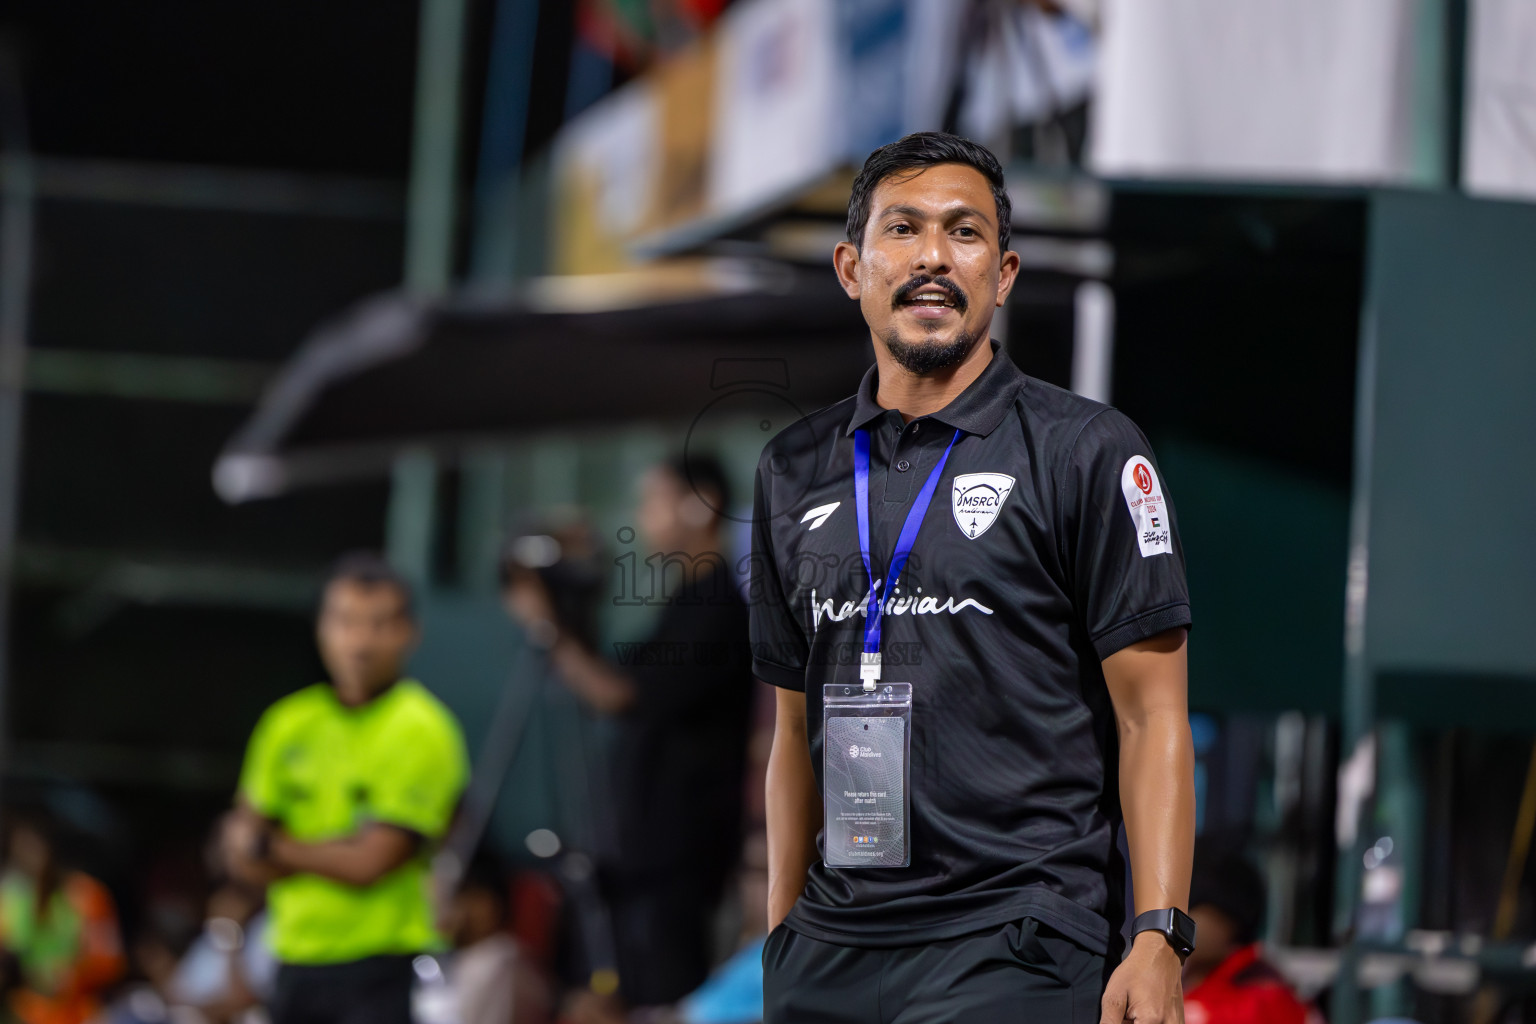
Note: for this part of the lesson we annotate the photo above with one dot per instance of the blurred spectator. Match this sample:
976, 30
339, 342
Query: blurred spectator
228, 971
344, 786
200, 960
733, 994
1226, 979
59, 928
681, 701
493, 982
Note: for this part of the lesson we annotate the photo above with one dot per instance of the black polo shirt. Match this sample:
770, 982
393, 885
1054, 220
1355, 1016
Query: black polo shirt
1049, 545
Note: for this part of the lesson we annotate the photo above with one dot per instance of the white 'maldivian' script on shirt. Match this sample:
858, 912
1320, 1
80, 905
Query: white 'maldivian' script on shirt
910, 604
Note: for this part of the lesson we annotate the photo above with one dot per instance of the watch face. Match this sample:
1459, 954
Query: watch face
1183, 928
1173, 924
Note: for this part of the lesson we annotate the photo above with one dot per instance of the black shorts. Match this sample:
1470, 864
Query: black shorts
1021, 971
376, 990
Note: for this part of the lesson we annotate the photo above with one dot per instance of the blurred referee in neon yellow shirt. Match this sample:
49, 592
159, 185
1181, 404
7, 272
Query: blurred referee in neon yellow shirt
346, 786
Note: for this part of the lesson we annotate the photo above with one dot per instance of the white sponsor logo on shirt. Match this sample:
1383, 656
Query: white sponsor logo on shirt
1149, 513
820, 514
978, 498
897, 604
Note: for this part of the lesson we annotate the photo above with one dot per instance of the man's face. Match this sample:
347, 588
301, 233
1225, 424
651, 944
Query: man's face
364, 635
930, 272
669, 511
473, 915
30, 852
1215, 939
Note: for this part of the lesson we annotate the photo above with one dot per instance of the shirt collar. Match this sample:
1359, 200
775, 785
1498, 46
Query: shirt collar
976, 410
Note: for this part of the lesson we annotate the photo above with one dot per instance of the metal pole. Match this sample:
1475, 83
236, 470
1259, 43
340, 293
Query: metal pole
15, 285
1359, 710
432, 205
431, 211
503, 131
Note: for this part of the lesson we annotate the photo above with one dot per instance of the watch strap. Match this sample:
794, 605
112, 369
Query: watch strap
1172, 923
261, 846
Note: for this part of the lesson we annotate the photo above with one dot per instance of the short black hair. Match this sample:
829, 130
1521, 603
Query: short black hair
918, 152
34, 815
705, 475
1224, 878
486, 874
371, 569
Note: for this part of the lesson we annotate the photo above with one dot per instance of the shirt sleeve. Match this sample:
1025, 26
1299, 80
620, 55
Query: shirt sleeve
780, 648
260, 783
422, 789
1123, 547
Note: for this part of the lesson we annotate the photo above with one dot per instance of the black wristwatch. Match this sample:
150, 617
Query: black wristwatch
261, 846
1173, 924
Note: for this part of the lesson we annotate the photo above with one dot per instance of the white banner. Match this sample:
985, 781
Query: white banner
1499, 144
604, 170
1276, 90
775, 101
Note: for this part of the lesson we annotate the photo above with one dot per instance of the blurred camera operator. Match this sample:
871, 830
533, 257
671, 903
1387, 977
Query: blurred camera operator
345, 786
681, 704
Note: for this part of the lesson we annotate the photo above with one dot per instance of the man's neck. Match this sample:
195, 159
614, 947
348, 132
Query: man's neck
364, 701
915, 395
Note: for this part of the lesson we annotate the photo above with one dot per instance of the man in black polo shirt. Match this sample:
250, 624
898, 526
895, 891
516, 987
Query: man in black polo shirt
1006, 548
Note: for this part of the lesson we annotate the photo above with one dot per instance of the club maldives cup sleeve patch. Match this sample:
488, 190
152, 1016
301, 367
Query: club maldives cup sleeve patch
866, 746
1149, 512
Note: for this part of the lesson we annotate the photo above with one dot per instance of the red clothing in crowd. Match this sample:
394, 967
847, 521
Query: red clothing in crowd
1243, 990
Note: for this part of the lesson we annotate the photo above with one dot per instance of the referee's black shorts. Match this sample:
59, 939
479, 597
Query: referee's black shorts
1020, 971
376, 990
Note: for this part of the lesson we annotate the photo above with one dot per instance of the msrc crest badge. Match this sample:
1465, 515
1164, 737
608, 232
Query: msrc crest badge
978, 498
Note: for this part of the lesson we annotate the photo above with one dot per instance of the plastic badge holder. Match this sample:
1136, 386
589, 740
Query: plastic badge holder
866, 743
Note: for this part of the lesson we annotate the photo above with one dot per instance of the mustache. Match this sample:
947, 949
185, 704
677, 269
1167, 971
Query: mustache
906, 291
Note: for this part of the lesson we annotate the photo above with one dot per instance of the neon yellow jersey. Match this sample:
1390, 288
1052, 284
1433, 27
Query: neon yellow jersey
324, 771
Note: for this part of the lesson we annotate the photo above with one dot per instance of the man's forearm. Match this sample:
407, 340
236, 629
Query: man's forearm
256, 872
357, 860
1149, 685
607, 690
1157, 793
337, 860
793, 811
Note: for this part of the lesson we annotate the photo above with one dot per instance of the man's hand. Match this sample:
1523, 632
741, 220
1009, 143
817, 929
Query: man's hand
1146, 987
605, 689
239, 836
527, 600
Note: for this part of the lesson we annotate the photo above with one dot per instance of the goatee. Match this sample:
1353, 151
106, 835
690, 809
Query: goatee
923, 358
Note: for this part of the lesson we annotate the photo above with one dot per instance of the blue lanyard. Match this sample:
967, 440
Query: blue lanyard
869, 664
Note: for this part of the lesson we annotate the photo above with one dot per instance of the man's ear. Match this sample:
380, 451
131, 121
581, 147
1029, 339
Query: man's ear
1009, 274
845, 260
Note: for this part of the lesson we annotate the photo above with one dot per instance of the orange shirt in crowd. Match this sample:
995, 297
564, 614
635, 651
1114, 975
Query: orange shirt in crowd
70, 957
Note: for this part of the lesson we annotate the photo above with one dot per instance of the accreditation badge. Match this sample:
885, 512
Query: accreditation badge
866, 748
